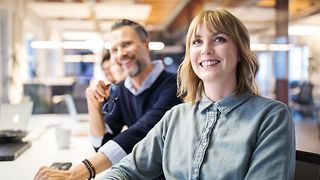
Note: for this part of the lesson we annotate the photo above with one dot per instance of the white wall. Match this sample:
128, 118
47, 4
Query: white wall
14, 67
3, 55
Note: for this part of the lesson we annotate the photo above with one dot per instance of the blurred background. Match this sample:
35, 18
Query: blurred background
54, 47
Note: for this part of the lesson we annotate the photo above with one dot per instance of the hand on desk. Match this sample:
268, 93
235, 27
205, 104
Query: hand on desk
99, 161
51, 173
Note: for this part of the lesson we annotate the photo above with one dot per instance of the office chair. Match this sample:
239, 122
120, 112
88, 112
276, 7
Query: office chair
307, 166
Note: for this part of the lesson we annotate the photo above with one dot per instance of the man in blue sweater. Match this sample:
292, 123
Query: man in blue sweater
138, 102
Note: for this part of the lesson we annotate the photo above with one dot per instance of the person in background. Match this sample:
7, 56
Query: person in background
138, 102
111, 69
224, 130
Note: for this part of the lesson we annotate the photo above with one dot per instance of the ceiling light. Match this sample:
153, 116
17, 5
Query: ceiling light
81, 45
46, 44
152, 45
303, 30
156, 45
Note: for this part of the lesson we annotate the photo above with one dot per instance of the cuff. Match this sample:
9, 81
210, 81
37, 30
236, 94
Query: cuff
96, 141
113, 151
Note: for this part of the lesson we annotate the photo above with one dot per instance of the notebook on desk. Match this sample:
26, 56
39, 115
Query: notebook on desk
9, 151
15, 116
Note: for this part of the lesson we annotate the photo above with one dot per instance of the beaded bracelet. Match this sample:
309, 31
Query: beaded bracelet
92, 168
89, 166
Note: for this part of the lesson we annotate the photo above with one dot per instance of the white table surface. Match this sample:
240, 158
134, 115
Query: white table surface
44, 150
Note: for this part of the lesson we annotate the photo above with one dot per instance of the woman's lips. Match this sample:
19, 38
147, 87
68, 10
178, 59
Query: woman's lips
207, 63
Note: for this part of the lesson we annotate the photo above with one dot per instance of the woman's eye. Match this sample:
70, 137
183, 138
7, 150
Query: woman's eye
196, 41
220, 39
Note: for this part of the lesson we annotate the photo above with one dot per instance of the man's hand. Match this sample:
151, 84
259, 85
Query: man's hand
96, 95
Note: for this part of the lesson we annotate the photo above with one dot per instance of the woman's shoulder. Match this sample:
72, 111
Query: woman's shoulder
182, 108
267, 102
185, 105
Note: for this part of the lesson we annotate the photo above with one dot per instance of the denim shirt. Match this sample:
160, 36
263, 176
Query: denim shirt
238, 137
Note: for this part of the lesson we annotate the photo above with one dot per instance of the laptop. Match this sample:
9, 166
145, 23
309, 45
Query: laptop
77, 121
9, 151
15, 116
71, 107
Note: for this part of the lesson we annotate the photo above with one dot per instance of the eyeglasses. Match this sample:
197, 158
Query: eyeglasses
110, 103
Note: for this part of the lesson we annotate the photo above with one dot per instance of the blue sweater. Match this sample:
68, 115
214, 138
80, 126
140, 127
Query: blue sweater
140, 113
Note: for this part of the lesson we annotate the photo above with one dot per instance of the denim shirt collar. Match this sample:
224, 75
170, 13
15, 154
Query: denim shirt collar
158, 67
226, 104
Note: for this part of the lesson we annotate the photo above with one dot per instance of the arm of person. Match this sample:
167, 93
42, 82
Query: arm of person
102, 127
100, 132
145, 160
99, 161
94, 99
274, 154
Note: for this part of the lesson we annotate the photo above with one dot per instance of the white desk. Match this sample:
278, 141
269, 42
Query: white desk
44, 150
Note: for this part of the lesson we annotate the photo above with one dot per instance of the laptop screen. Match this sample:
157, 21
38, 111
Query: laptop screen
15, 116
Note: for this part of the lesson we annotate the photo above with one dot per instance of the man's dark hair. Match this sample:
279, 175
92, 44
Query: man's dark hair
106, 57
141, 31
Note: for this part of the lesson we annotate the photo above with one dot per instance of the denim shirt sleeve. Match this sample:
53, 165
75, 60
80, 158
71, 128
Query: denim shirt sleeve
145, 160
272, 157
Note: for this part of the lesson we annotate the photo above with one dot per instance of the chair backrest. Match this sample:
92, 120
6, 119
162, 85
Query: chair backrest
305, 95
307, 166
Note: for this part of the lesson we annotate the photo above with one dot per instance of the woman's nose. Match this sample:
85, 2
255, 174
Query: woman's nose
207, 50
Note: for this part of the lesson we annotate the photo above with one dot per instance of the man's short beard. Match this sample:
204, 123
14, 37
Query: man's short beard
138, 69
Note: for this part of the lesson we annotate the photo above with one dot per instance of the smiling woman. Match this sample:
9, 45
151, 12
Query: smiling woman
210, 38
224, 130
214, 59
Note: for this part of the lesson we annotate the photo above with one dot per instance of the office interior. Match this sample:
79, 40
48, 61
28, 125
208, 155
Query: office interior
50, 48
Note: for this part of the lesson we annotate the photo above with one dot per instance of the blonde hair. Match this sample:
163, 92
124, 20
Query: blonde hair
190, 86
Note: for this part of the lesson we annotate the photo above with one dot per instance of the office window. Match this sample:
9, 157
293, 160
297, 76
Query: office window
298, 63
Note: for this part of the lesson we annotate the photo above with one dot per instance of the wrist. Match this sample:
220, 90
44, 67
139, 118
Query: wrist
79, 172
94, 105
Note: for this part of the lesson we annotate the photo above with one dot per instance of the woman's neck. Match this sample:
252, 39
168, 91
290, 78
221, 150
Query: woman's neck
216, 91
